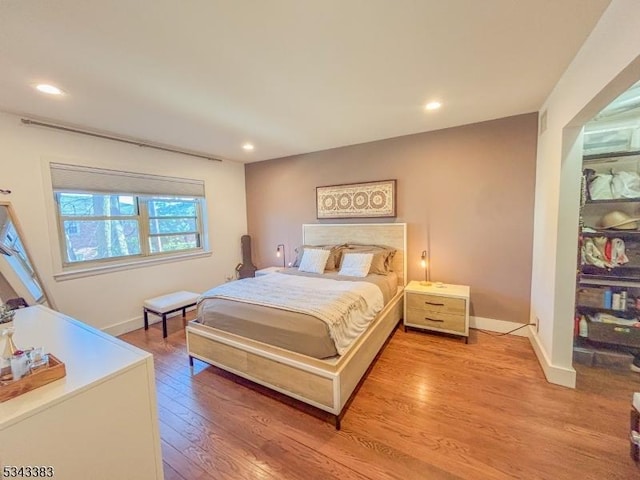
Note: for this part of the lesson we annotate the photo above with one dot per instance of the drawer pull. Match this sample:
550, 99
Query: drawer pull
435, 304
433, 319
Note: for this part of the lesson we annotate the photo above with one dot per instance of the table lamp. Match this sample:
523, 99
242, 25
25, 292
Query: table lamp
280, 251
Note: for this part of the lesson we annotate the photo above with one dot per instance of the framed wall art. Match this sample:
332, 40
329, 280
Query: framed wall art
357, 200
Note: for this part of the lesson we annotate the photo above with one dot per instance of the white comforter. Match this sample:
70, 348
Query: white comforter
346, 307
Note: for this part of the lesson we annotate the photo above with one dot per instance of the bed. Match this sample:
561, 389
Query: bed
325, 383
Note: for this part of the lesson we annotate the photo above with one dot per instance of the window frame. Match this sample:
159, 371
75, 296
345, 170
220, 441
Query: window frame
141, 217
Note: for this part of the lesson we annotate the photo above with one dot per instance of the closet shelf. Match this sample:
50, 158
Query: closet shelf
603, 156
613, 234
628, 313
622, 277
612, 200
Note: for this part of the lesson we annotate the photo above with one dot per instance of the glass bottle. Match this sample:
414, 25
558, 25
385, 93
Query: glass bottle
7, 351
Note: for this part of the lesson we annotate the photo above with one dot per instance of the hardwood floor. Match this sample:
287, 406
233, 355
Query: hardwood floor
430, 408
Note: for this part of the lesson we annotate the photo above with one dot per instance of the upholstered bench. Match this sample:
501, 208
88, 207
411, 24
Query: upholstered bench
635, 426
166, 304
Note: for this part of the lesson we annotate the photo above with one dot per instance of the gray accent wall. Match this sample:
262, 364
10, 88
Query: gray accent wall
466, 194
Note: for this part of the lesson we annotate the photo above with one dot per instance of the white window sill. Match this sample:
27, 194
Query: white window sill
147, 262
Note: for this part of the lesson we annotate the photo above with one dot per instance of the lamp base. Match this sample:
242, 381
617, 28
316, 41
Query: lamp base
424, 283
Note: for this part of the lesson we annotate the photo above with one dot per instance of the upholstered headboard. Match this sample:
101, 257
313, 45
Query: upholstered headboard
389, 234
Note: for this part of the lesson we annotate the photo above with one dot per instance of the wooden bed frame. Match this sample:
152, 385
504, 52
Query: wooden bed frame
326, 384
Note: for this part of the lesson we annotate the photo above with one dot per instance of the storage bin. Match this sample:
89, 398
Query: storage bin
591, 297
616, 334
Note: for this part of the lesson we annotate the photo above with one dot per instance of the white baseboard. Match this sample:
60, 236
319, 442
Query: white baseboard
500, 326
127, 326
137, 322
554, 374
557, 375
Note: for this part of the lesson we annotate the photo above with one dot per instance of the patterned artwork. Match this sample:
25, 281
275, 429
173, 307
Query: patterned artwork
357, 200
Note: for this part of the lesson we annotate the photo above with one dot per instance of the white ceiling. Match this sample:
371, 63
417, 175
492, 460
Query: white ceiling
290, 76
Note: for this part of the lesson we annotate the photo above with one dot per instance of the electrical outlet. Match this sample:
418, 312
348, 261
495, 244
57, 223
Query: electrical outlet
537, 324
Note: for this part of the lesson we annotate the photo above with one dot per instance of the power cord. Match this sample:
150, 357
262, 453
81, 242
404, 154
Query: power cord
505, 333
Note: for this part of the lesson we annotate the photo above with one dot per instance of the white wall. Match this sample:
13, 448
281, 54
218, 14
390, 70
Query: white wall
113, 301
605, 66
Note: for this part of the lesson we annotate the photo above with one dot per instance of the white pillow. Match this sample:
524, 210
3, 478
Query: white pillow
314, 260
356, 264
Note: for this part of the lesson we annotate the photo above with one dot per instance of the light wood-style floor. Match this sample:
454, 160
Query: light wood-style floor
430, 408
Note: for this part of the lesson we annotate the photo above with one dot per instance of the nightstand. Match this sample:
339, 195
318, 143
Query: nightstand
442, 308
267, 271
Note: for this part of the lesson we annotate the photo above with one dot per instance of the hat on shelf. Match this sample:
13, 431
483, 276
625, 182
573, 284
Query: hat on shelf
618, 220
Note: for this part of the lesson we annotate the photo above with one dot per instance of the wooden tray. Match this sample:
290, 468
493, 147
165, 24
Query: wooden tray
54, 371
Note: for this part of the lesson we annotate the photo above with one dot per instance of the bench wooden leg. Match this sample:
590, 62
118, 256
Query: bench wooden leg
634, 425
164, 325
146, 319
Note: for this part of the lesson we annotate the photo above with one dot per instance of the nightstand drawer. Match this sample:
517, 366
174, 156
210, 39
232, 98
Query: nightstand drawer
435, 303
437, 320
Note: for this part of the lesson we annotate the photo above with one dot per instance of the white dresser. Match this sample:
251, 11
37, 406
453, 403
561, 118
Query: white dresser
99, 421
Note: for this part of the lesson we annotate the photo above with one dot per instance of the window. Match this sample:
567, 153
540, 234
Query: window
173, 224
112, 226
101, 226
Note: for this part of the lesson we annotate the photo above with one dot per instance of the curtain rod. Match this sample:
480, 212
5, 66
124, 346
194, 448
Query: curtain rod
27, 121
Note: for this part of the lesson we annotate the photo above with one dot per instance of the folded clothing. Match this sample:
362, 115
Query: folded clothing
608, 318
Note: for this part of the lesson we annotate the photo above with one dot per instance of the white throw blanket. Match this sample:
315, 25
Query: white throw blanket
346, 307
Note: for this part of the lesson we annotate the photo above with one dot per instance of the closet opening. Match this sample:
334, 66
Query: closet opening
606, 330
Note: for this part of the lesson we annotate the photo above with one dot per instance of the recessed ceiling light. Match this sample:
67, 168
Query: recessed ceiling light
49, 89
433, 105
248, 147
